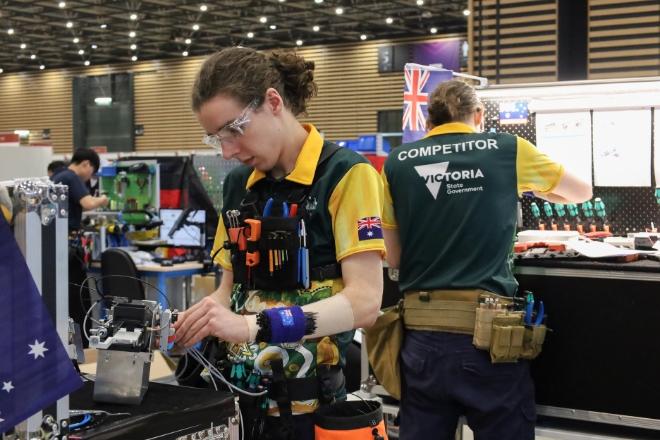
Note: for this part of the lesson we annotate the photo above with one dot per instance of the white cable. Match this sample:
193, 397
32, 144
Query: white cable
86, 316
214, 371
240, 414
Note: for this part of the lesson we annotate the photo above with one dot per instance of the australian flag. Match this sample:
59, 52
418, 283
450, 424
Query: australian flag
35, 370
420, 82
369, 228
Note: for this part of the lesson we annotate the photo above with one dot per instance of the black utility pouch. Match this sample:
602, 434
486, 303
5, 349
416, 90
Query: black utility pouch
239, 267
279, 246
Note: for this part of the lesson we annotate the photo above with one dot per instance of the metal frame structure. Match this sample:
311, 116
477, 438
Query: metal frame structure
168, 28
41, 231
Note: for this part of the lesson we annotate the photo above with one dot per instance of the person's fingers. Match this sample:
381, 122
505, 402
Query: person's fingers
202, 322
201, 334
179, 320
191, 316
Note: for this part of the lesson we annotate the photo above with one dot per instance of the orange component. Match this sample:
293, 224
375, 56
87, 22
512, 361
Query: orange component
521, 247
580, 229
253, 258
593, 228
627, 258
541, 227
556, 247
567, 227
554, 227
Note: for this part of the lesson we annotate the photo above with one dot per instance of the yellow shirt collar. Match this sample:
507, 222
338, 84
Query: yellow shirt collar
303, 171
452, 127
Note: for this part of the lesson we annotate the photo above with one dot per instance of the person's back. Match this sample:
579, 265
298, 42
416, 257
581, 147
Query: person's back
455, 193
449, 224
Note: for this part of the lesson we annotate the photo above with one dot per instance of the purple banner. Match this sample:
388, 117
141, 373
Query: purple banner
445, 54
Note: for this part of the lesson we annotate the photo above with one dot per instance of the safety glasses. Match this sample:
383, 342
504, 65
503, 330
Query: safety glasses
232, 131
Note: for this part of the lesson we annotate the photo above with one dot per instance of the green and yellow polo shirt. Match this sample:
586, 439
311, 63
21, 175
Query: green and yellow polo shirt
453, 197
349, 192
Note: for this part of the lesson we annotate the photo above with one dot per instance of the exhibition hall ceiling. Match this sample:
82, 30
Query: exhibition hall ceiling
53, 34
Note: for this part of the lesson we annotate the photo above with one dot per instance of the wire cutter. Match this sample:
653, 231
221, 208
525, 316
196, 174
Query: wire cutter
530, 311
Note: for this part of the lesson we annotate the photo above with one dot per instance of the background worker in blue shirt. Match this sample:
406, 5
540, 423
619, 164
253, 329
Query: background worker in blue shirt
84, 164
450, 219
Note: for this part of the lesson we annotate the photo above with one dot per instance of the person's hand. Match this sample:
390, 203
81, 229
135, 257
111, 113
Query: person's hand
104, 200
208, 317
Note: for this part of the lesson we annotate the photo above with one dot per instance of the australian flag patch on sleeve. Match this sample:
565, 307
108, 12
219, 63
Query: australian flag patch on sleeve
369, 228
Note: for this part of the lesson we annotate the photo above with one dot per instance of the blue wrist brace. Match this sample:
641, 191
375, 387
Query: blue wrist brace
287, 324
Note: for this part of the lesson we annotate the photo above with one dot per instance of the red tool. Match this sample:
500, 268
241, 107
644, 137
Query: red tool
294, 210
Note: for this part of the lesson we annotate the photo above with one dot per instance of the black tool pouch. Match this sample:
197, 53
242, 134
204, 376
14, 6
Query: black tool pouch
238, 263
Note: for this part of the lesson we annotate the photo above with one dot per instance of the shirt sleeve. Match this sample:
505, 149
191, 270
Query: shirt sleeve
356, 207
389, 219
222, 257
535, 170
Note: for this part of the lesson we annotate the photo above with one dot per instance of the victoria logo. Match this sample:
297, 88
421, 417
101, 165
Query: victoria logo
433, 175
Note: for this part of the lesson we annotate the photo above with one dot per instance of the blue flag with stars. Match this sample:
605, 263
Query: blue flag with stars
35, 370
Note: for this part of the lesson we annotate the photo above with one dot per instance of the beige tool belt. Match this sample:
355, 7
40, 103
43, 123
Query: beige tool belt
451, 311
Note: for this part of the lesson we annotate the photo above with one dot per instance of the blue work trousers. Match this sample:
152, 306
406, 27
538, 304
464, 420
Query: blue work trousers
444, 376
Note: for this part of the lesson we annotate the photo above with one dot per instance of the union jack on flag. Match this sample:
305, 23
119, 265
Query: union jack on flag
369, 228
420, 82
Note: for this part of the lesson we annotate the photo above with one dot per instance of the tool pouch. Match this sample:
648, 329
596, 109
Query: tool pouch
238, 263
512, 340
483, 324
506, 343
279, 236
533, 341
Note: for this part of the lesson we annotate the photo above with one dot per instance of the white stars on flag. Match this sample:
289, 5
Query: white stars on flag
7, 386
38, 349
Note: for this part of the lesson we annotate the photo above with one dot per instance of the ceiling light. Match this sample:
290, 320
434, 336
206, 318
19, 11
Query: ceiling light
103, 100
133, 16
195, 27
42, 67
316, 28
69, 24
10, 31
263, 19
23, 46
33, 56
318, 1
94, 46
188, 41
363, 37
185, 54
389, 20
203, 8
250, 35
466, 12
86, 63
434, 30
75, 40
0, 70
420, 2
339, 11
132, 34
103, 26
80, 52
133, 46
134, 58
273, 27
62, 4
299, 42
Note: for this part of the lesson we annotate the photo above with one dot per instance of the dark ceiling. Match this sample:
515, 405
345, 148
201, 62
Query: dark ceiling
42, 33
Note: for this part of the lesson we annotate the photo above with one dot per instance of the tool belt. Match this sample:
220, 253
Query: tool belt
328, 379
490, 318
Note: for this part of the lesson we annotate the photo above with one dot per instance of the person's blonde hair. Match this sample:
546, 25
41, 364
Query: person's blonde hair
452, 101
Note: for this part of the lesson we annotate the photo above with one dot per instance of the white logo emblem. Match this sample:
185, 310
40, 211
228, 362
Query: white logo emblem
433, 175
